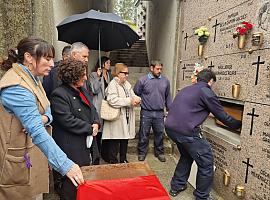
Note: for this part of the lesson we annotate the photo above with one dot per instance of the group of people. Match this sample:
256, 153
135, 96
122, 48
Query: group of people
73, 100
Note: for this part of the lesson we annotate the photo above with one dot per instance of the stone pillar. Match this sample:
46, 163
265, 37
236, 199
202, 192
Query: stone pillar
16, 22
43, 24
22, 18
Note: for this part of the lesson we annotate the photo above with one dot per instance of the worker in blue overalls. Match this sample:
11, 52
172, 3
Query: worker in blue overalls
188, 111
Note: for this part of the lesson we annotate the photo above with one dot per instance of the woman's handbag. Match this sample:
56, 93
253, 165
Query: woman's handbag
107, 112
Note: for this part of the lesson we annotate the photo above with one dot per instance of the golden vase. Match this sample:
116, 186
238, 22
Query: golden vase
241, 41
226, 178
200, 50
236, 87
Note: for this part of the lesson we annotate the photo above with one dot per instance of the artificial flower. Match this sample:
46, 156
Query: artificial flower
243, 29
203, 34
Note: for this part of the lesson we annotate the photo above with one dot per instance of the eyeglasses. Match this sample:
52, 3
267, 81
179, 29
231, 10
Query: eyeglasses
126, 73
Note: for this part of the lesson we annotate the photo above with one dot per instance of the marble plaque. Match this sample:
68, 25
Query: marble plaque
254, 175
185, 71
223, 25
255, 136
229, 69
259, 77
254, 165
197, 11
221, 28
189, 46
226, 158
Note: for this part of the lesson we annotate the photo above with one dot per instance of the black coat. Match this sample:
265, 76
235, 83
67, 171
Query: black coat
72, 120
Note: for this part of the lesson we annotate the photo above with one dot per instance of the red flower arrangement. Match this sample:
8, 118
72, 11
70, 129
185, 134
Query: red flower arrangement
242, 29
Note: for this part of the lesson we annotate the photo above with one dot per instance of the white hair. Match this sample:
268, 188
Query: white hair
77, 47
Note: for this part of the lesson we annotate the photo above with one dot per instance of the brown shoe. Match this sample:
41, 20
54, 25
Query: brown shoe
161, 157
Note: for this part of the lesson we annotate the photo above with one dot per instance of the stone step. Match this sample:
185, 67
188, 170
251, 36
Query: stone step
134, 56
132, 146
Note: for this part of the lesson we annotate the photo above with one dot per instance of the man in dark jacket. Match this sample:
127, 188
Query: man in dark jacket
154, 90
77, 51
51, 81
188, 111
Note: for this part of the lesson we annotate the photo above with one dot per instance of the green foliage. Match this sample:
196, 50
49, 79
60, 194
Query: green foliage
126, 9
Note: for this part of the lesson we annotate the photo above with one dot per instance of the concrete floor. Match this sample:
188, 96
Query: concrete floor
164, 171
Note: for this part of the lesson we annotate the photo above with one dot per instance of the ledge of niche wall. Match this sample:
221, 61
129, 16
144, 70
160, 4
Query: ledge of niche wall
235, 101
210, 127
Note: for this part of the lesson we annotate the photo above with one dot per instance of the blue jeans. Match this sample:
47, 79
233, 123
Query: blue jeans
154, 119
193, 148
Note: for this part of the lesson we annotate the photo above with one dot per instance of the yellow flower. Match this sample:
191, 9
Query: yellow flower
206, 33
203, 28
200, 33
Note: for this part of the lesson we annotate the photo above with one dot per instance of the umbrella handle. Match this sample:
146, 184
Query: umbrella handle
99, 57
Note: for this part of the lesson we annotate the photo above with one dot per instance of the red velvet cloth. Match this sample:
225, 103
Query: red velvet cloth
141, 187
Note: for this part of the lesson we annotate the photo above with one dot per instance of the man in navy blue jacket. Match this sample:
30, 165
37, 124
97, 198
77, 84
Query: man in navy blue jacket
154, 89
188, 111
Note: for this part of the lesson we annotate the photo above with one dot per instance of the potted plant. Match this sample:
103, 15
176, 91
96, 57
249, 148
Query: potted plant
203, 35
241, 32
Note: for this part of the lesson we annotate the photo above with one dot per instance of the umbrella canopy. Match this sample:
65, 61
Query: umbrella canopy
98, 30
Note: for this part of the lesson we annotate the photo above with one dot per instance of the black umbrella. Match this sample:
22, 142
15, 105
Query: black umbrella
98, 30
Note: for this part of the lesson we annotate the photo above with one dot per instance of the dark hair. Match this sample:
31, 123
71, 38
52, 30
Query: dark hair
155, 62
103, 60
36, 47
206, 75
12, 58
70, 71
66, 50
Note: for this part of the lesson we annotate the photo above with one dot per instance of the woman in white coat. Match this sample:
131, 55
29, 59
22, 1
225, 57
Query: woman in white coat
120, 95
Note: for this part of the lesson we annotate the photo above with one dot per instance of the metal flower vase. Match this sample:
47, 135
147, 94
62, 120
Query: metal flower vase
236, 87
241, 41
200, 50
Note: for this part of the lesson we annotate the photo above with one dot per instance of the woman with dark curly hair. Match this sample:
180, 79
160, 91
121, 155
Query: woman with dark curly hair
75, 120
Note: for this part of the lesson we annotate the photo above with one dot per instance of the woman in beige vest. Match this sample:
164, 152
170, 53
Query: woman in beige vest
24, 118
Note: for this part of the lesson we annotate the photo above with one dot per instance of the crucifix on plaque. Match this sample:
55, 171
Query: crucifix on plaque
186, 37
211, 66
248, 165
252, 119
215, 26
183, 68
257, 70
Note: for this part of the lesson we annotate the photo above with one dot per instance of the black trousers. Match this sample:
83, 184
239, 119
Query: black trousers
68, 190
193, 148
154, 119
104, 150
117, 146
57, 181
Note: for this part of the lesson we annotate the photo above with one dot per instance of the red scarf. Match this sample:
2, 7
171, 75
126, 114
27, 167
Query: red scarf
85, 99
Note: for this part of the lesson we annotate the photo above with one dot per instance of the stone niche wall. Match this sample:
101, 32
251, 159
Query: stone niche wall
246, 156
22, 18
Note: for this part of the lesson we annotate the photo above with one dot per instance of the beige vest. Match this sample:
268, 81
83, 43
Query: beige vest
16, 180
